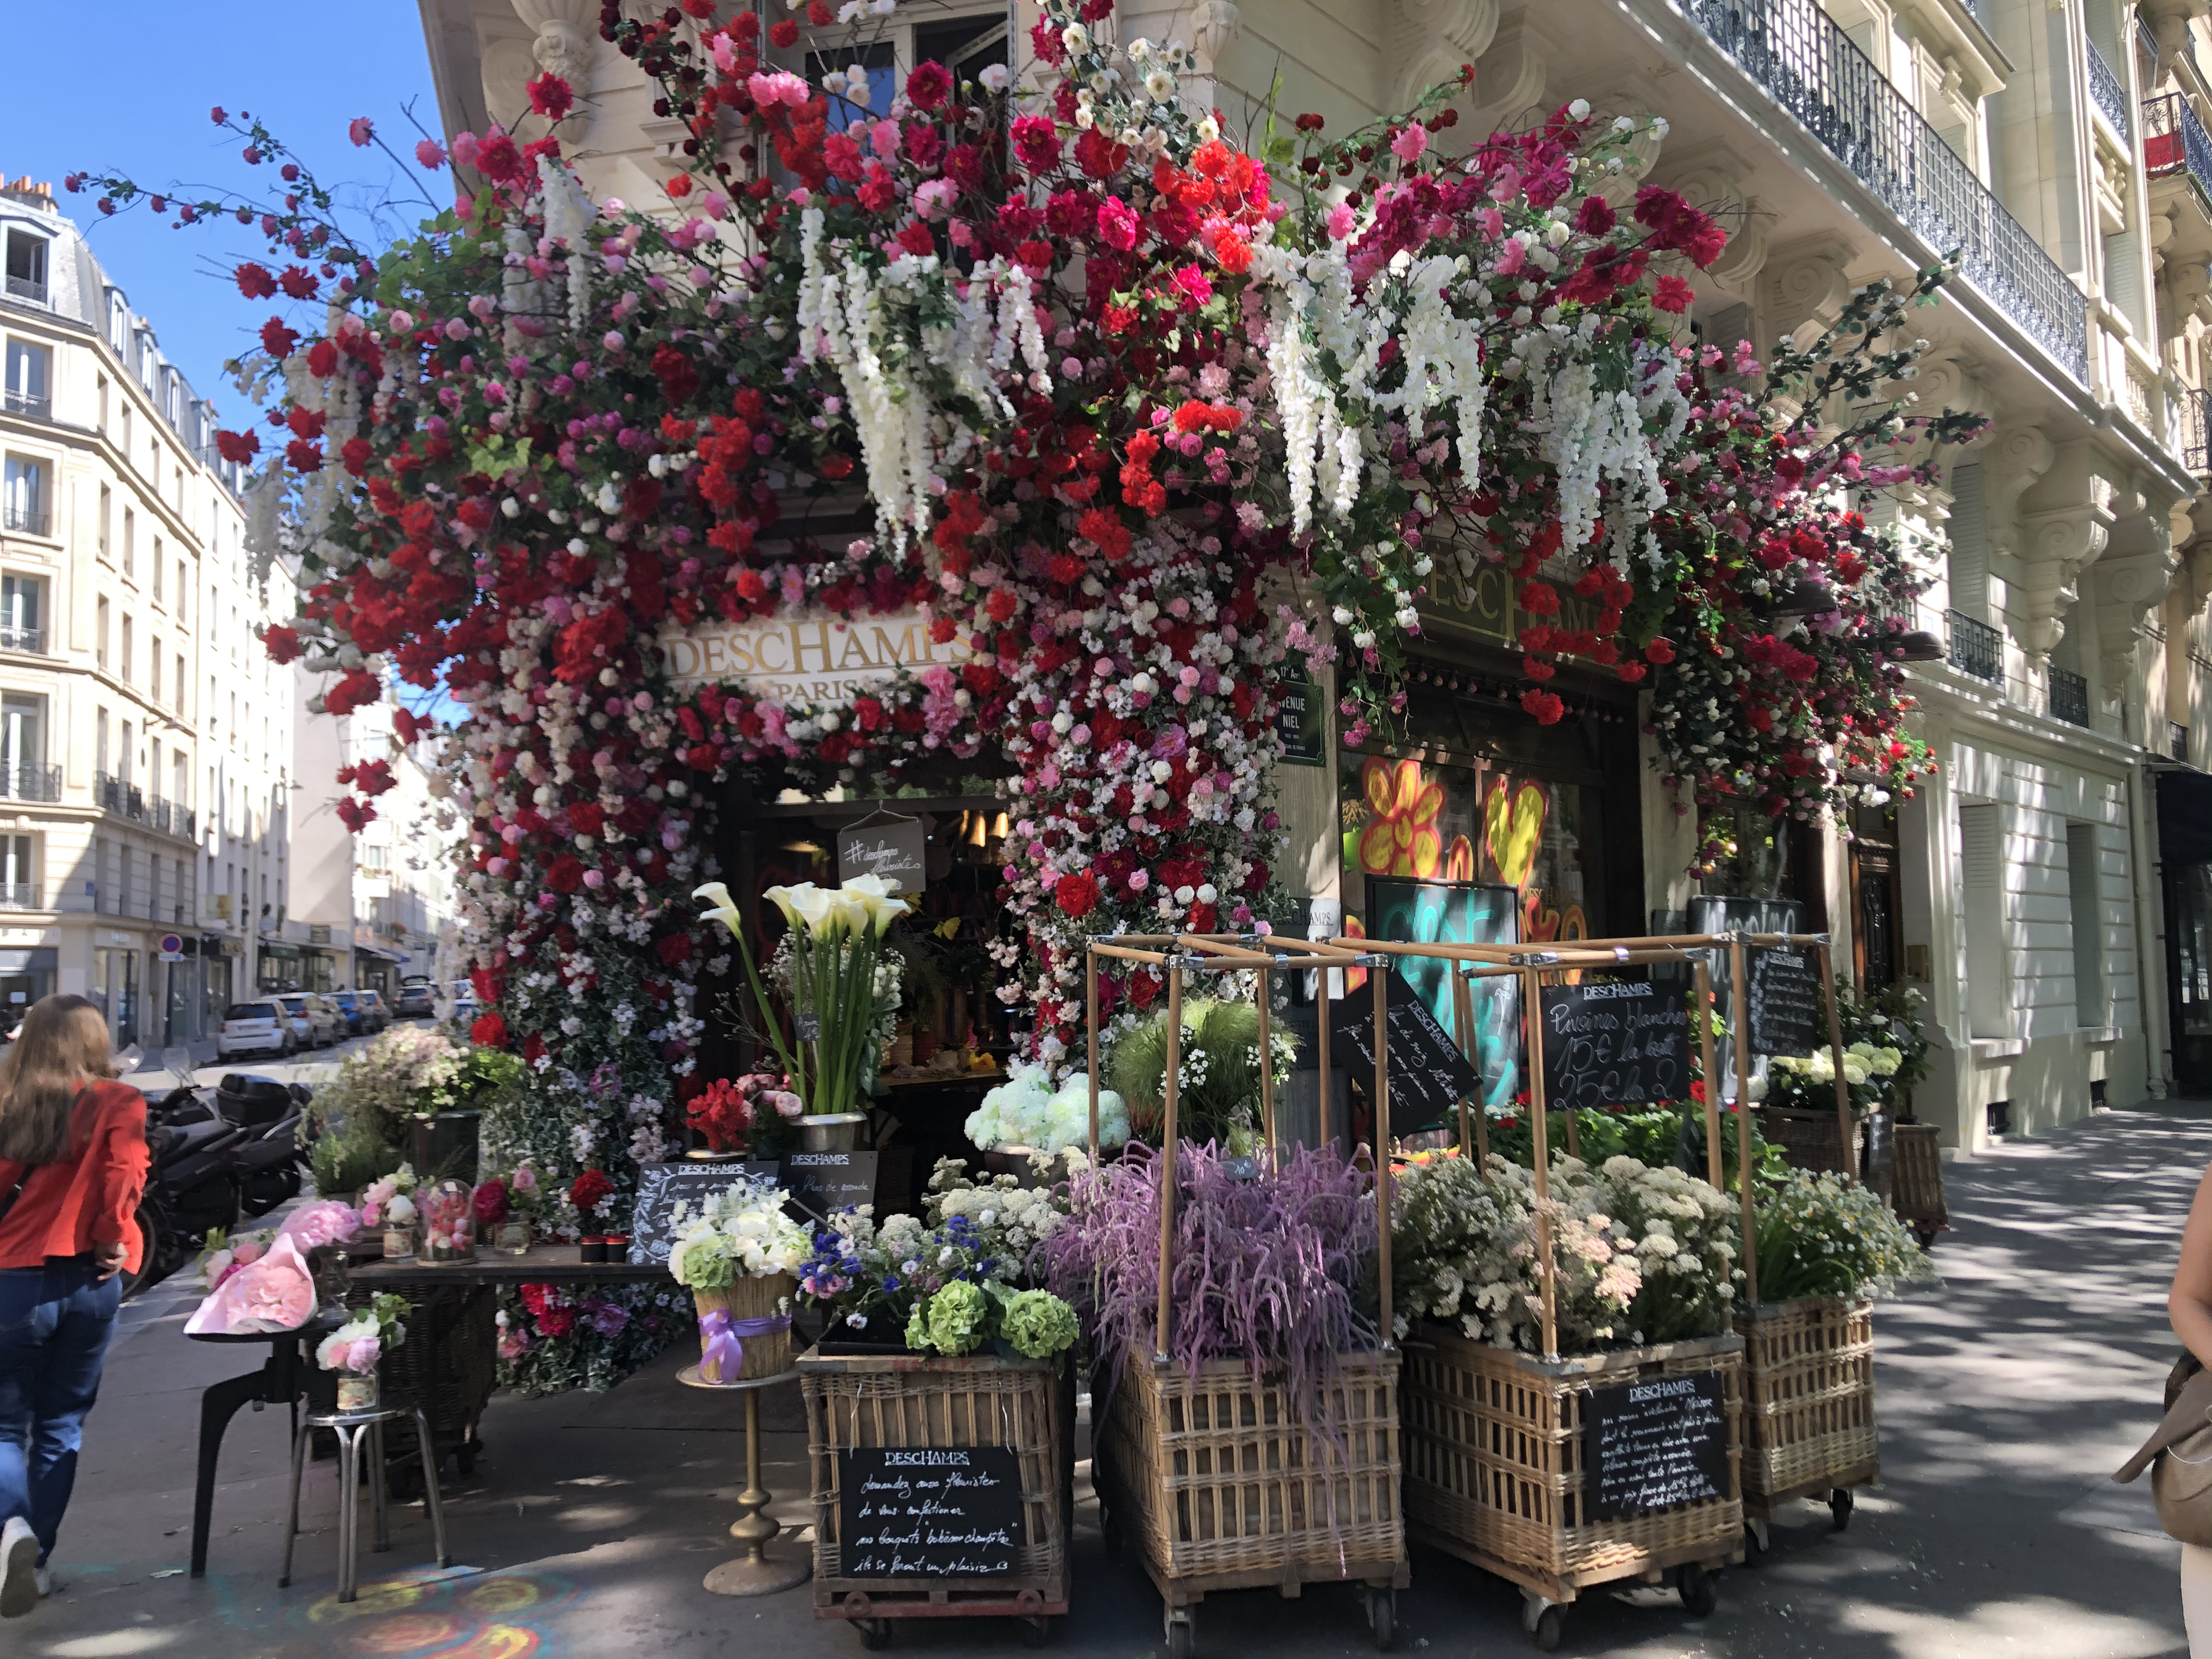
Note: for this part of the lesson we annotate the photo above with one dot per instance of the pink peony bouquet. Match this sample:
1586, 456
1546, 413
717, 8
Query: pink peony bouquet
326, 1221
273, 1293
357, 1345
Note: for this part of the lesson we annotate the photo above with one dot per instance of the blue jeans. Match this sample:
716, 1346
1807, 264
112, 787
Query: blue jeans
55, 1323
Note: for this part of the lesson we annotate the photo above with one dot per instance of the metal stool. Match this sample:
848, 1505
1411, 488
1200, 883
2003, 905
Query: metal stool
351, 1427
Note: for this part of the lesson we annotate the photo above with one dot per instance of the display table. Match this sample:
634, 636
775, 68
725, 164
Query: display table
282, 1379
541, 1264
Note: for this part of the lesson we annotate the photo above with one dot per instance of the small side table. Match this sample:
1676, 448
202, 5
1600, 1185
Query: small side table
753, 1573
281, 1381
351, 1427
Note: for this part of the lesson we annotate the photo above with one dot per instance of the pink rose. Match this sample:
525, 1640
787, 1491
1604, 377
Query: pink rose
363, 1354
247, 1251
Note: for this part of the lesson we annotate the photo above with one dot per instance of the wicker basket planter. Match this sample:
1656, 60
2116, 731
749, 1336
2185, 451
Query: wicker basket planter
1918, 1197
913, 1401
1494, 1470
749, 1302
1222, 1485
1809, 1417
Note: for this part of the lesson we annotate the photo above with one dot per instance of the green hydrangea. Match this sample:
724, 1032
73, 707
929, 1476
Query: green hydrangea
1038, 1324
953, 1322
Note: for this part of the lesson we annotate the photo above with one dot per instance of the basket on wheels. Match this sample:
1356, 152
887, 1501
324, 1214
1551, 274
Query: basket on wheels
909, 1401
1226, 1481
1808, 1418
1496, 1467
1918, 1196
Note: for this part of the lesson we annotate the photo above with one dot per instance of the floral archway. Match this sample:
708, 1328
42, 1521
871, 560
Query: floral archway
1133, 415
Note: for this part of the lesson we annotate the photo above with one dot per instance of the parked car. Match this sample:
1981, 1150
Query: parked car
256, 1028
464, 1004
314, 1022
360, 1019
418, 1000
376, 1010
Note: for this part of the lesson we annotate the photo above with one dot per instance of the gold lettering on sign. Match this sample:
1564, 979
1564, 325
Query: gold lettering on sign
822, 659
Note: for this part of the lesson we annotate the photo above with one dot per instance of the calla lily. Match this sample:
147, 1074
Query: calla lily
721, 908
783, 896
815, 905
877, 901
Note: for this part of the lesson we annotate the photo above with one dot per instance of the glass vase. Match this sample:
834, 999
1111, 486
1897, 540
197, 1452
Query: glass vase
513, 1238
357, 1391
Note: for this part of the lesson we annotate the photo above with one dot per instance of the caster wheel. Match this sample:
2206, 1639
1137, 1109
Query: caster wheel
1754, 1543
1182, 1632
1547, 1629
1927, 1237
1697, 1590
1036, 1632
1382, 1618
874, 1632
1840, 1504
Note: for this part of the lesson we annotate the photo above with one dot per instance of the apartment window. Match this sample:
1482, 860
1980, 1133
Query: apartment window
179, 684
106, 517
128, 421
30, 380
1970, 546
158, 561
16, 886
100, 634
2086, 912
23, 626
373, 860
103, 404
27, 265
28, 498
100, 742
154, 668
130, 543
23, 747
1982, 906
183, 774
183, 595
124, 666
126, 772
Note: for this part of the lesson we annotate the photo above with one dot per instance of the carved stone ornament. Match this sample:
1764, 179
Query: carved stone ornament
1431, 39
1213, 25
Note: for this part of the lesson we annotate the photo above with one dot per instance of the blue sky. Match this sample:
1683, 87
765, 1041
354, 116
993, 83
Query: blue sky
134, 101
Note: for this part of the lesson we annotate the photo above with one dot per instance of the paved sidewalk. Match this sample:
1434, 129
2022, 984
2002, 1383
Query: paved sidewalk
2006, 1400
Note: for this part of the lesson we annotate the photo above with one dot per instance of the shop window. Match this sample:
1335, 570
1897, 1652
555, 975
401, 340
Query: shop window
1983, 921
2085, 913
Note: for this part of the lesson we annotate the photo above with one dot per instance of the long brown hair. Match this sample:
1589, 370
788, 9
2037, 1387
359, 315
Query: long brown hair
62, 1047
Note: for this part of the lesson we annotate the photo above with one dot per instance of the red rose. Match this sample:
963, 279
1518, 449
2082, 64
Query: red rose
489, 1032
1076, 894
565, 874
589, 1190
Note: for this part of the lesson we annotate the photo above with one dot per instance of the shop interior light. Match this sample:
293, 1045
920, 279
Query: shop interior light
972, 829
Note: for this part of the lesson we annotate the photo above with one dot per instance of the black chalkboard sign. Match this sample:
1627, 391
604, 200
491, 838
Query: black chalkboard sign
823, 1183
925, 1513
1298, 717
1782, 1000
1714, 912
1429, 1076
1614, 1044
661, 1186
1654, 1445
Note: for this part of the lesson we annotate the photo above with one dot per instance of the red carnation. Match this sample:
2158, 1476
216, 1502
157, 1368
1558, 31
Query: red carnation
238, 447
1660, 651
254, 281
927, 88
551, 96
489, 1031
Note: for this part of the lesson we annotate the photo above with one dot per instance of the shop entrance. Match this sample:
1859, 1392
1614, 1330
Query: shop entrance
24, 976
2185, 836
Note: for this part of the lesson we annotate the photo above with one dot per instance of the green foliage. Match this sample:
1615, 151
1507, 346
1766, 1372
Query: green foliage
1821, 1236
1648, 1135
1219, 1095
344, 1163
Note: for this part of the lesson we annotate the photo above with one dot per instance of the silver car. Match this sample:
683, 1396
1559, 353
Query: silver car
314, 1022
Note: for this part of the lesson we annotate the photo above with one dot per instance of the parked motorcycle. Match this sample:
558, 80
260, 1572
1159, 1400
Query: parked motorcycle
220, 1156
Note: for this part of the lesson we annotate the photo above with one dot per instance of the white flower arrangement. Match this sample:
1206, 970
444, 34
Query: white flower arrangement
1026, 1110
740, 1232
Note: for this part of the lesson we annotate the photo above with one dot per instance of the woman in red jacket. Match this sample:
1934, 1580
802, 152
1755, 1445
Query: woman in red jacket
72, 1167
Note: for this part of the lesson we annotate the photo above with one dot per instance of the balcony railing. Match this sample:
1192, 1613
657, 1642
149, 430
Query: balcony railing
25, 287
28, 519
2110, 96
2069, 696
18, 896
2192, 412
2177, 740
124, 799
2174, 141
36, 405
32, 639
1977, 648
30, 782
175, 820
1815, 71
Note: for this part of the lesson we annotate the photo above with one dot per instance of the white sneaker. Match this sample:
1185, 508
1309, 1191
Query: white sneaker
44, 1577
18, 1568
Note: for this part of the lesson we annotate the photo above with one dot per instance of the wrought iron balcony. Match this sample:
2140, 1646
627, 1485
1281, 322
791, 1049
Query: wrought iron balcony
30, 782
32, 639
2105, 88
1977, 648
172, 820
2175, 141
2192, 412
1817, 73
2069, 696
18, 515
26, 288
2177, 741
124, 799
18, 896
36, 405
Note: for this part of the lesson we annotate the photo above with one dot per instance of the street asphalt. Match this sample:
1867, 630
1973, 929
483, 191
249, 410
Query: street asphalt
2006, 1398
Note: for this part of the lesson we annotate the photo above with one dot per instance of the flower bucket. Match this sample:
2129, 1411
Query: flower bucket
831, 1132
744, 1330
357, 1391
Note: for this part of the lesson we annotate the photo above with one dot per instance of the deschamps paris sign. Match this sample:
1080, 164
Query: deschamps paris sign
805, 660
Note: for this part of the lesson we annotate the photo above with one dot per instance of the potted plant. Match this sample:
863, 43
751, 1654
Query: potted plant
354, 1349
506, 1208
737, 1255
741, 1117
1024, 1126
832, 970
388, 1203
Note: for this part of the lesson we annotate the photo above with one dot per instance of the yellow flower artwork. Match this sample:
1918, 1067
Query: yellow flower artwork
1401, 839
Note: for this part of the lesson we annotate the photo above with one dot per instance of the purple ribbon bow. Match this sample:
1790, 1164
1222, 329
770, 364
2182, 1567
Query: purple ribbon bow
724, 1354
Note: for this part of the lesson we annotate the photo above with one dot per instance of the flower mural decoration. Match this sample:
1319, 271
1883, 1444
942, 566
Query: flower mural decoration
1513, 828
1401, 838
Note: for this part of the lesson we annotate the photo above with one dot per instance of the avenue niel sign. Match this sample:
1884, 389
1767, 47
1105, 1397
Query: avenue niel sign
805, 659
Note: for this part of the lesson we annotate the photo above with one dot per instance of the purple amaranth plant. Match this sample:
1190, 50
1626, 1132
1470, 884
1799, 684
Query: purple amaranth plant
1278, 1273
